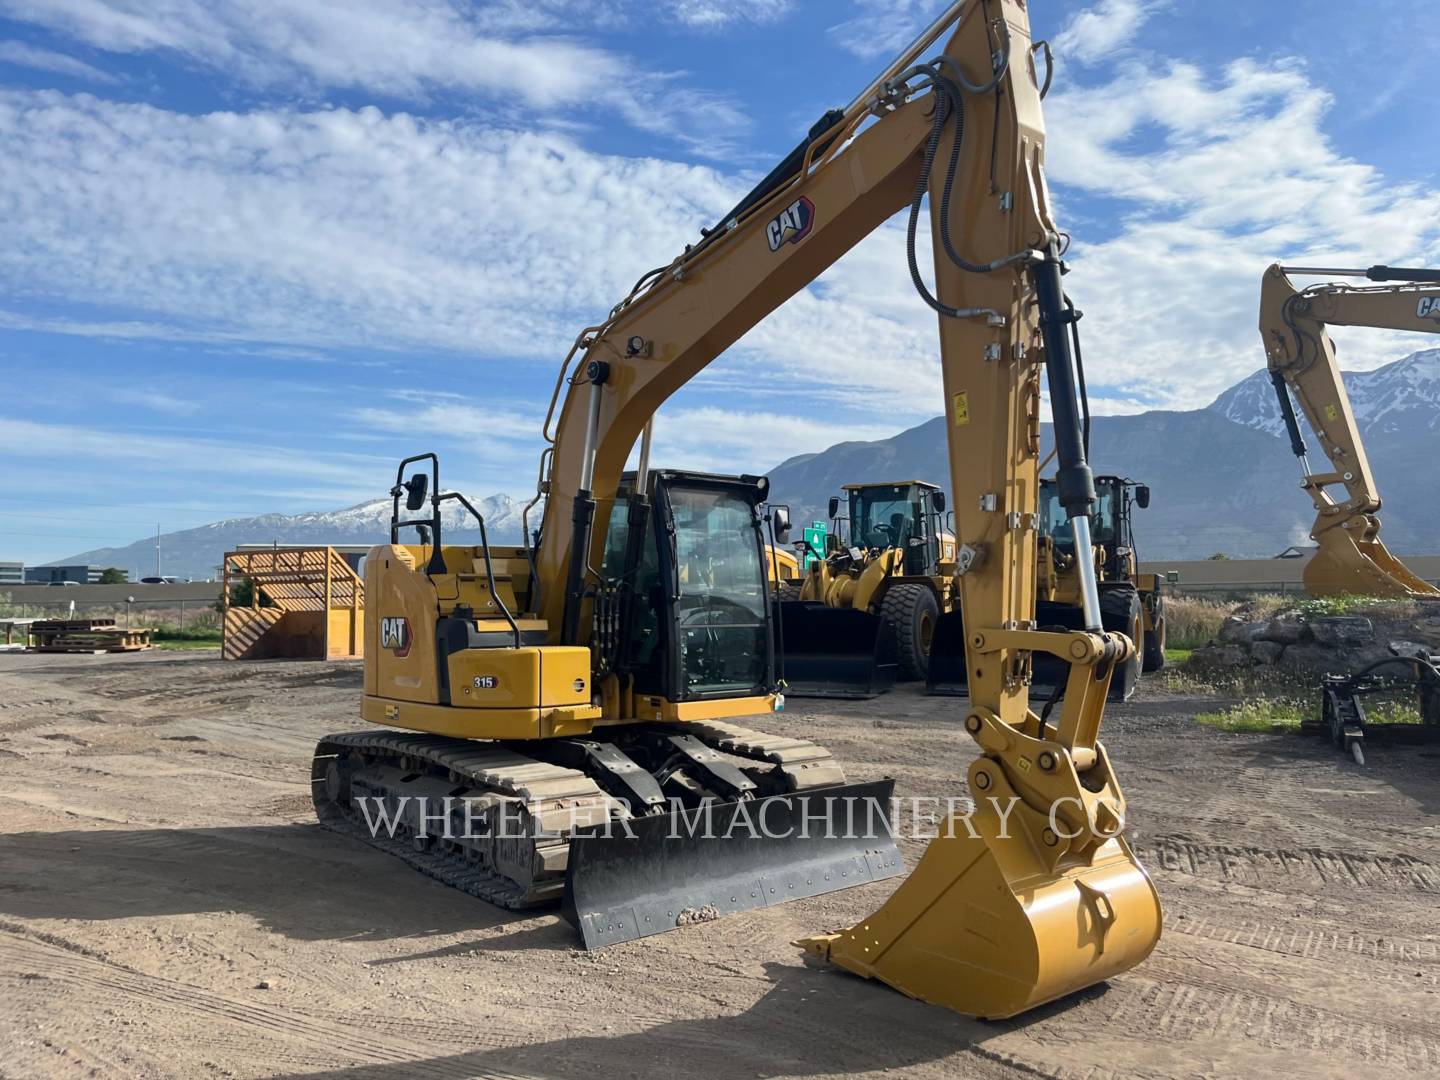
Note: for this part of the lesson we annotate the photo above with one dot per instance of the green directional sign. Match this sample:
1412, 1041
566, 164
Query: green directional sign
815, 538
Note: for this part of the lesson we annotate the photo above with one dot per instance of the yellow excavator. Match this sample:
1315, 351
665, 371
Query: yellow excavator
570, 703
866, 609
1301, 355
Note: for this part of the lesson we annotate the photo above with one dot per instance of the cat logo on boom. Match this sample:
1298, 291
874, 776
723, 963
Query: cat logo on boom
792, 224
1429, 308
395, 635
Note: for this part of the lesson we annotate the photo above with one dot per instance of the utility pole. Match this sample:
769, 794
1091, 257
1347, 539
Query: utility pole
157, 549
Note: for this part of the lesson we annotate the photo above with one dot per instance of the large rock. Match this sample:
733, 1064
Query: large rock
1266, 652
1311, 660
1215, 656
1343, 631
1240, 631
1287, 627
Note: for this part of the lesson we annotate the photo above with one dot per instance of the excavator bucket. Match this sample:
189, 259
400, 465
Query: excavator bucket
947, 674
1344, 565
836, 652
983, 927
657, 873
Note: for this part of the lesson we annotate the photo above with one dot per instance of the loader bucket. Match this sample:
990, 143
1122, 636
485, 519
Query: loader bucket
684, 867
836, 652
983, 928
948, 674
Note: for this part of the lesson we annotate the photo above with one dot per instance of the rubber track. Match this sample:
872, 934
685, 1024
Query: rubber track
491, 767
479, 765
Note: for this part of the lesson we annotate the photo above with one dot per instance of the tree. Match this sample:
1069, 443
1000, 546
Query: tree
1219, 556
113, 576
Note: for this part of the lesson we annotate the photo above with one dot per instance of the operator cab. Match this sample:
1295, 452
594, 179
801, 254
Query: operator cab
905, 515
684, 605
1111, 522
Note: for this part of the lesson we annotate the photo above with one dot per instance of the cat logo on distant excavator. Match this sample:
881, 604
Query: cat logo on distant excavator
792, 224
1429, 308
395, 635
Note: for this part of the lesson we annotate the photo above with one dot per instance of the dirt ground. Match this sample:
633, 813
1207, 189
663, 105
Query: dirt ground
168, 908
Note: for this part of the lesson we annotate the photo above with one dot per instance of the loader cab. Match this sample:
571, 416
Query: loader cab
906, 515
1111, 522
688, 613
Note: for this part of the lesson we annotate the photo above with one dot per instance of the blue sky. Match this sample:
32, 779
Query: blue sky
251, 252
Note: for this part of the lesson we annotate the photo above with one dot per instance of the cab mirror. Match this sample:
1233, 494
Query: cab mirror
938, 499
834, 507
1142, 495
780, 523
416, 488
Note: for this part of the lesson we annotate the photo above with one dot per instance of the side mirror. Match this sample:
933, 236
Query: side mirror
416, 488
834, 511
937, 499
780, 523
1142, 495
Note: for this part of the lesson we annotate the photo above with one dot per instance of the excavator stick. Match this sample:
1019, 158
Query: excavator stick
836, 652
651, 874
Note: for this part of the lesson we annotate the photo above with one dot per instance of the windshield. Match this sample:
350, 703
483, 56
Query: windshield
722, 606
882, 517
1054, 522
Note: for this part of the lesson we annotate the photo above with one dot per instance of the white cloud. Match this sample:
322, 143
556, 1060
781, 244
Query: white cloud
31, 56
884, 27
413, 50
1214, 178
1099, 32
715, 13
738, 440
155, 401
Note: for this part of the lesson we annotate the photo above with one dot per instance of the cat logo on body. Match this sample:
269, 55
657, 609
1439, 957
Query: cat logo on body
792, 224
395, 635
1429, 308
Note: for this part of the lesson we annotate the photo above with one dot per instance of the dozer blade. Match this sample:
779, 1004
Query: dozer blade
983, 928
947, 674
673, 870
836, 652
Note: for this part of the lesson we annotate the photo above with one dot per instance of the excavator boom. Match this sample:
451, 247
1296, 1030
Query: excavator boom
1301, 357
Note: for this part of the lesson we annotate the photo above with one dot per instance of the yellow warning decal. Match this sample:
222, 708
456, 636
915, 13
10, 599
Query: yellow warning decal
962, 408
1331, 412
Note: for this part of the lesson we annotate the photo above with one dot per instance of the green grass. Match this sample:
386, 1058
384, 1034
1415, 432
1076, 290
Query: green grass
206, 634
1265, 715
1177, 656
189, 643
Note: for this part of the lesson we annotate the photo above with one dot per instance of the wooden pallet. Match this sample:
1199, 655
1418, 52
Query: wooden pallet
98, 636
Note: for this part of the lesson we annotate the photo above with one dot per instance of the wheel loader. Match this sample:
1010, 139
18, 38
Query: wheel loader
866, 608
554, 718
1130, 602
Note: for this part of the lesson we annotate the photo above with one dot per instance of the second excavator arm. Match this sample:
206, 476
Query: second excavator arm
1036, 894
1301, 357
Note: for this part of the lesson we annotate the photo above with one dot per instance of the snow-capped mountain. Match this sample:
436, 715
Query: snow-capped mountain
196, 553
1397, 399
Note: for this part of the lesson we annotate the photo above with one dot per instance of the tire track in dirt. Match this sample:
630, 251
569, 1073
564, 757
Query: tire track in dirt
1175, 1004
1391, 958
355, 1039
1252, 865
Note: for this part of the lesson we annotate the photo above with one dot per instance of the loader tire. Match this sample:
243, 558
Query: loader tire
911, 611
1120, 610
